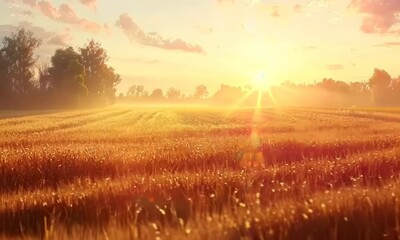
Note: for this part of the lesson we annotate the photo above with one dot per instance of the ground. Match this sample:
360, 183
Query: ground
200, 173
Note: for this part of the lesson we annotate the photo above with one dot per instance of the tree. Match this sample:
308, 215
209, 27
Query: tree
131, 91
157, 94
359, 87
111, 80
137, 91
379, 84
227, 94
17, 63
100, 79
173, 94
67, 75
200, 92
44, 78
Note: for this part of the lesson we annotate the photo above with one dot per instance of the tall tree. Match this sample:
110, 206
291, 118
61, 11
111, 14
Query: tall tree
67, 75
101, 79
17, 63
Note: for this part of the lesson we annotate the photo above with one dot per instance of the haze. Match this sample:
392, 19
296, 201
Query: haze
187, 43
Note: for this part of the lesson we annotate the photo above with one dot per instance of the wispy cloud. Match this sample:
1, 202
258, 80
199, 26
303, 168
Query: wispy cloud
334, 67
66, 14
380, 15
52, 38
135, 33
389, 44
60, 40
38, 31
89, 3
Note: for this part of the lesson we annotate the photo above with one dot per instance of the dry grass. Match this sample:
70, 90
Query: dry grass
123, 173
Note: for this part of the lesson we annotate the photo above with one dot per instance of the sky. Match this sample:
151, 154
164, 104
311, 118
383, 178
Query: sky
184, 43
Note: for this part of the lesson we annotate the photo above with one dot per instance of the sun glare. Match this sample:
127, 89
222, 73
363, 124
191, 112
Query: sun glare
260, 81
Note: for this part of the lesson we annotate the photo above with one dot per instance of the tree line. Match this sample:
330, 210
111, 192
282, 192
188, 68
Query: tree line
138, 93
72, 78
379, 90
82, 77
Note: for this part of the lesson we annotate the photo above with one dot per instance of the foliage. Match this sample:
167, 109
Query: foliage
157, 94
71, 79
67, 74
380, 84
17, 63
100, 79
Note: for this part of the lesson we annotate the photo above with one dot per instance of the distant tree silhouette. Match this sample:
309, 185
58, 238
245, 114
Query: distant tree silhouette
67, 77
173, 94
137, 91
329, 84
200, 92
379, 84
17, 64
44, 78
359, 88
157, 95
395, 87
228, 94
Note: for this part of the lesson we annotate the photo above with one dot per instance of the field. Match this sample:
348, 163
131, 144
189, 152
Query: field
181, 173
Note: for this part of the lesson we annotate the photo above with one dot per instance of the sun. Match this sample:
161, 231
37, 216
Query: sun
262, 84
260, 81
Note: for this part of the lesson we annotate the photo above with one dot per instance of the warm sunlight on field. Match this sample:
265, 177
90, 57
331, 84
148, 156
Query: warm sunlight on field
131, 172
215, 119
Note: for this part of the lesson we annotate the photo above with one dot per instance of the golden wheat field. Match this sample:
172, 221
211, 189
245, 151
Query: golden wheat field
129, 172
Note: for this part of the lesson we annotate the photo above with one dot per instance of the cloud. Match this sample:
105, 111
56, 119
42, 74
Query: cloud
89, 3
389, 44
334, 67
135, 33
32, 3
380, 15
16, 10
60, 40
39, 32
27, 13
49, 37
65, 14
22, 14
